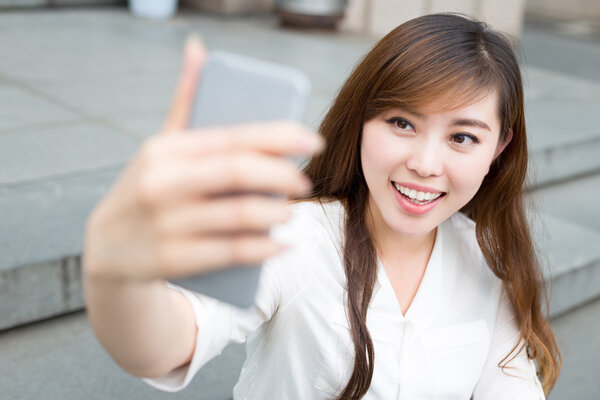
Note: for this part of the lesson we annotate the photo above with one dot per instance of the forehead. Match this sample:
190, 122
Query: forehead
456, 100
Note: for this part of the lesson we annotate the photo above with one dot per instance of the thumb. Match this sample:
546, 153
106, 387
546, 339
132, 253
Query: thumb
194, 55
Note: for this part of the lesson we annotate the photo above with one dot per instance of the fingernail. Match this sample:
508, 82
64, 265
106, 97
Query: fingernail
193, 39
193, 53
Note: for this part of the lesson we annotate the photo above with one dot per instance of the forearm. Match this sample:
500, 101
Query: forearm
148, 328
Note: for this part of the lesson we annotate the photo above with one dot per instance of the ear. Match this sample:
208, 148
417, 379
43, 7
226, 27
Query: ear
501, 146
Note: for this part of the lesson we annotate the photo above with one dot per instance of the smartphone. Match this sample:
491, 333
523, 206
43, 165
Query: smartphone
236, 89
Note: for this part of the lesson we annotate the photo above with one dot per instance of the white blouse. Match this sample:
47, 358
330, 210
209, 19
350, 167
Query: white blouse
448, 345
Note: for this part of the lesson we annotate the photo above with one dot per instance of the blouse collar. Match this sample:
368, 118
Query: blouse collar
427, 303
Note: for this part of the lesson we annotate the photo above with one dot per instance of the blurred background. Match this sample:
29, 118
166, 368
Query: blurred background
84, 82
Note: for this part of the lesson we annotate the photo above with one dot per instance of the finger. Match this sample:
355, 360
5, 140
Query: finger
167, 183
194, 55
223, 215
183, 257
278, 138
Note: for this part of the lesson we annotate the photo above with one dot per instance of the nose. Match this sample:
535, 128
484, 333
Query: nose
426, 158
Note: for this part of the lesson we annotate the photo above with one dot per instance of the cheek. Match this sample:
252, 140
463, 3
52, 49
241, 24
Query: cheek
466, 175
370, 167
377, 159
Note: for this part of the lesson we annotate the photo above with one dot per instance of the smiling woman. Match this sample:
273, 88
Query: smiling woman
436, 109
409, 271
427, 157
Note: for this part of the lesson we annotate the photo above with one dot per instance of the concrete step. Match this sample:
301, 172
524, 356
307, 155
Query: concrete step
40, 276
41, 237
577, 200
571, 242
81, 369
60, 359
570, 256
564, 138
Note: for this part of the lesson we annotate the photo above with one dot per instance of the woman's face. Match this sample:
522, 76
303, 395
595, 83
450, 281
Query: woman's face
423, 167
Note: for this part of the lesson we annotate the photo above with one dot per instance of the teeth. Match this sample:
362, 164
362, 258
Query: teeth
418, 196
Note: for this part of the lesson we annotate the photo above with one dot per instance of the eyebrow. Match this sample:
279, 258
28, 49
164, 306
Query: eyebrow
457, 122
470, 122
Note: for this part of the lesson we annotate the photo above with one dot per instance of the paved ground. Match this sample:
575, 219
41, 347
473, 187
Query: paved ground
61, 359
81, 88
569, 48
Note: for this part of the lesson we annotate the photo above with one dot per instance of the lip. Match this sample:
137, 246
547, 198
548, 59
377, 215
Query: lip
419, 188
415, 209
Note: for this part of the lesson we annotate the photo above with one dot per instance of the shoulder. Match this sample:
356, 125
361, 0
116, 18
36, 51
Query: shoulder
460, 239
311, 220
463, 253
462, 227
469, 284
323, 212
313, 236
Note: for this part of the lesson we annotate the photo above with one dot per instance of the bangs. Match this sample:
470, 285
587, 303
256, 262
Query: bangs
427, 70
432, 99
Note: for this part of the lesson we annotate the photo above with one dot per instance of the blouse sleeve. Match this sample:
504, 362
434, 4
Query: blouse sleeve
219, 324
519, 380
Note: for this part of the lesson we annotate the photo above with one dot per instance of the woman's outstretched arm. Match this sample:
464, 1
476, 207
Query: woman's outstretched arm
165, 217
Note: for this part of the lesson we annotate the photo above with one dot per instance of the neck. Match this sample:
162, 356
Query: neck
394, 248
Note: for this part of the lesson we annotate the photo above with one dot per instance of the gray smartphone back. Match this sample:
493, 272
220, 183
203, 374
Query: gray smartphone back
236, 89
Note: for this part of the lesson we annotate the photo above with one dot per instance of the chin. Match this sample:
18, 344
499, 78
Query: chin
410, 229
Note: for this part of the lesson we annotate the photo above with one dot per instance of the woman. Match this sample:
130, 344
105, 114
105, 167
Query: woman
409, 270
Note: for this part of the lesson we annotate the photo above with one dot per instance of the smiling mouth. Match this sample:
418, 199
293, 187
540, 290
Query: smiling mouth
416, 197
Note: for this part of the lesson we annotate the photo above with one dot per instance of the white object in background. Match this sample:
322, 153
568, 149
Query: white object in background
378, 17
153, 9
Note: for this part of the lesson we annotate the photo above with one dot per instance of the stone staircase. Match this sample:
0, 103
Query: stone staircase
70, 123
565, 169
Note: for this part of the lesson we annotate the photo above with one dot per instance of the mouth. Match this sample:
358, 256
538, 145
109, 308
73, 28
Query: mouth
416, 197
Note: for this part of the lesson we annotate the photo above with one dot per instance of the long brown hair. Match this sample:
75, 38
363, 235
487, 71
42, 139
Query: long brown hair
437, 57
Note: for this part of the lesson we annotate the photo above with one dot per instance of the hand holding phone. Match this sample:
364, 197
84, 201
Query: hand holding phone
232, 90
170, 214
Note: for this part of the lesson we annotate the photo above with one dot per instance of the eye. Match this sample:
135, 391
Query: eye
400, 123
464, 139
